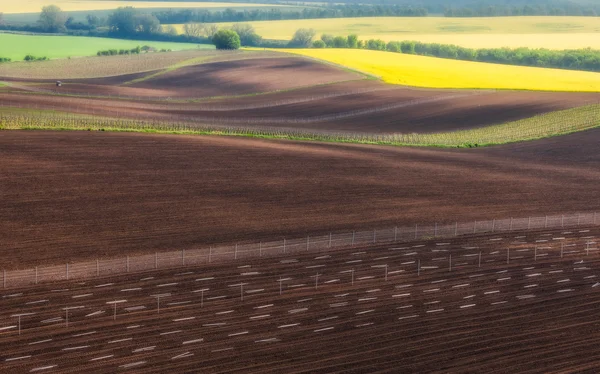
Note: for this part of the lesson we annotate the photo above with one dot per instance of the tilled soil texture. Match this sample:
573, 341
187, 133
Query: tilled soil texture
511, 302
353, 106
92, 69
245, 77
77, 195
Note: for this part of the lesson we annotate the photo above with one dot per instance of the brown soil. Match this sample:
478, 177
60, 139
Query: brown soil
358, 106
105, 66
528, 316
469, 112
245, 77
289, 92
74, 195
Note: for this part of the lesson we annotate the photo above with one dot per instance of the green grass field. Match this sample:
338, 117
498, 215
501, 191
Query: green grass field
17, 46
534, 32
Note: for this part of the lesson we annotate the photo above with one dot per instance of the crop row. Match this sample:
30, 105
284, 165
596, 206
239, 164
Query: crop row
541, 126
282, 306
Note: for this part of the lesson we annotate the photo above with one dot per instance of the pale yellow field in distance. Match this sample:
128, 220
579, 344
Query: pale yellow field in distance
421, 71
35, 6
477, 32
548, 41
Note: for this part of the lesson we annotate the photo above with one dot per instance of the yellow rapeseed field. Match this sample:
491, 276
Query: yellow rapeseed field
421, 71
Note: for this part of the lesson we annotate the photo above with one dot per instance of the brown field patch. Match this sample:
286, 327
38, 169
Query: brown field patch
528, 315
246, 77
92, 67
354, 106
72, 195
258, 89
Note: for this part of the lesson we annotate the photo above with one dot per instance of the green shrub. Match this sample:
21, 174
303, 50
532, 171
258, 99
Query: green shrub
34, 58
226, 39
318, 44
340, 42
394, 47
113, 52
352, 41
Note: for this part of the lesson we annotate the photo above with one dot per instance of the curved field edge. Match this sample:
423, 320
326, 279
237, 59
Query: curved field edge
95, 67
433, 72
206, 99
538, 127
17, 46
248, 55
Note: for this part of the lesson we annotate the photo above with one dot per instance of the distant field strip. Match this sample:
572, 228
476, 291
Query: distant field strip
382, 27
475, 32
477, 41
422, 71
542, 126
106, 66
16, 46
35, 6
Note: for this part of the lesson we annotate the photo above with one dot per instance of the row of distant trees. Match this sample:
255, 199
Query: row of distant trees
245, 31
566, 9
317, 11
52, 19
328, 11
577, 59
124, 21
128, 22
26, 58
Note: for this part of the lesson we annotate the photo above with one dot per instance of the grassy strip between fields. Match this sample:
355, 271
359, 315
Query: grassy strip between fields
542, 126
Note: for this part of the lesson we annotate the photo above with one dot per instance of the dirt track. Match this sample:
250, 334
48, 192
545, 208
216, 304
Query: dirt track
74, 195
535, 313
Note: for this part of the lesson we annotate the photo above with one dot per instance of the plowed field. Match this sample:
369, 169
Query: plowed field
288, 92
358, 106
508, 302
73, 195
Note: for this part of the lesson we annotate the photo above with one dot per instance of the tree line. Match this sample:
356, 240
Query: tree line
133, 51
127, 22
575, 59
28, 58
53, 20
568, 9
489, 8
330, 11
